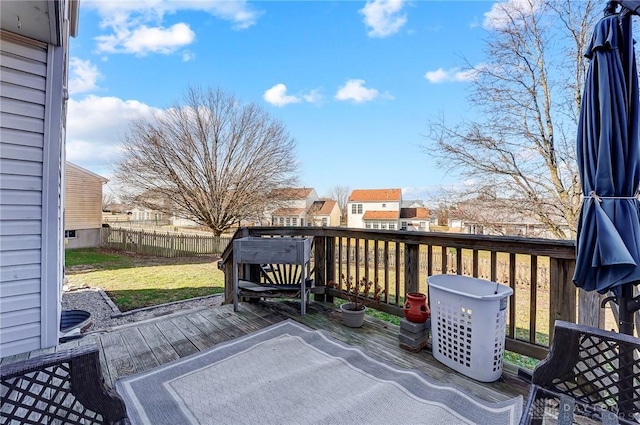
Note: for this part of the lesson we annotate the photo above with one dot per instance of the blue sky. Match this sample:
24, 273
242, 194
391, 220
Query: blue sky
354, 82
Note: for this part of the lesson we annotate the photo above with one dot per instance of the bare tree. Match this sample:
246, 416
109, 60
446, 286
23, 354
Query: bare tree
107, 200
210, 158
340, 194
528, 94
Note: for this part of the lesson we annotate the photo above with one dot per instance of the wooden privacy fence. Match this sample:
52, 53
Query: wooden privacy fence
163, 244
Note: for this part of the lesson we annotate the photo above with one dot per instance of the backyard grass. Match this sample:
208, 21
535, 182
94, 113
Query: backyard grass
141, 281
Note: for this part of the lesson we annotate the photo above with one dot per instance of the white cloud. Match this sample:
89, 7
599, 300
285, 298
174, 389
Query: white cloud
137, 26
313, 96
83, 76
452, 75
144, 40
95, 126
188, 56
277, 96
504, 12
383, 17
355, 91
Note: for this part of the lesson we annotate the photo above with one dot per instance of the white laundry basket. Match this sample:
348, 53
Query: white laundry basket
468, 324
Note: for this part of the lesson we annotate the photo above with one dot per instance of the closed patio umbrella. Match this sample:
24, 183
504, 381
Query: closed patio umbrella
608, 148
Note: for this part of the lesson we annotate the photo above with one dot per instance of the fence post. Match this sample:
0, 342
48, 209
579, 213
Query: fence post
320, 260
562, 292
411, 268
330, 263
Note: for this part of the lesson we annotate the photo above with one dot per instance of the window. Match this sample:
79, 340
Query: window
359, 208
294, 221
367, 225
375, 225
325, 222
384, 205
392, 226
281, 221
383, 225
356, 208
403, 225
423, 225
288, 221
70, 234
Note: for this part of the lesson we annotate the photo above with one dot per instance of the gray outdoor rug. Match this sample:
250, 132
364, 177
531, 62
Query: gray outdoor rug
290, 374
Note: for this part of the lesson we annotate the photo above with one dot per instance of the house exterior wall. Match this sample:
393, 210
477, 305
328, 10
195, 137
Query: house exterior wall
82, 207
354, 216
31, 153
334, 217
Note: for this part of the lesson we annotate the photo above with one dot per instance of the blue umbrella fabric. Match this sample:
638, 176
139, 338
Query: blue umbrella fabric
608, 149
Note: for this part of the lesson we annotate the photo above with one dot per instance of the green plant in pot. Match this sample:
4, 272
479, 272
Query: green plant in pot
359, 293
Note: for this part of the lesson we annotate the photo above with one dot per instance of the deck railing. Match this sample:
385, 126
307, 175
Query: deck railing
538, 270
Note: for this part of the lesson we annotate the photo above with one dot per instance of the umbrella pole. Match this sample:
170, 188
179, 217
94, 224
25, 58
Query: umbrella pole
627, 307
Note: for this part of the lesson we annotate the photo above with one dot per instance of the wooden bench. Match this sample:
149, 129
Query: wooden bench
64, 387
590, 376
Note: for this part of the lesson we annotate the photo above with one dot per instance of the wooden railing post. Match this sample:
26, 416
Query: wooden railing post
562, 292
330, 263
320, 262
411, 268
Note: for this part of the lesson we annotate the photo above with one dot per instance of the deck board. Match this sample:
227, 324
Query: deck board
134, 348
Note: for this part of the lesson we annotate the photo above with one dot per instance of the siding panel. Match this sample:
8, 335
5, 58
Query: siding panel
17, 319
20, 212
19, 242
24, 71
16, 137
19, 49
20, 302
83, 199
21, 182
16, 333
18, 78
22, 272
21, 227
24, 65
27, 94
16, 107
12, 289
21, 257
22, 168
19, 197
19, 122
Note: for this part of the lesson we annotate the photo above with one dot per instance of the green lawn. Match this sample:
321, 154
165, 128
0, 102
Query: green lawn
140, 281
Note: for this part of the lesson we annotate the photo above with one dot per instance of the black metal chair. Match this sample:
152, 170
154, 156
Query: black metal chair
589, 375
66, 387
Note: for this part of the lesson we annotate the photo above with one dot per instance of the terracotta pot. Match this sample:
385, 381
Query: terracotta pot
352, 318
415, 308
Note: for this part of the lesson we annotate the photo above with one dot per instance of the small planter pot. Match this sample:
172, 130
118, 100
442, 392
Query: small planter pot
415, 308
352, 318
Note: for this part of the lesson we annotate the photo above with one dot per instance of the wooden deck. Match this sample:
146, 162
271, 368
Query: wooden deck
137, 347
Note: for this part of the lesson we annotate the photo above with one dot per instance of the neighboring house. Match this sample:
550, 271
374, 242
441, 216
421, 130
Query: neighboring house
482, 217
146, 214
374, 208
82, 207
415, 219
324, 213
289, 206
34, 43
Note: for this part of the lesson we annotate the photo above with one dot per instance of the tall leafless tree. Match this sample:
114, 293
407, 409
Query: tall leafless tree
522, 150
209, 158
340, 194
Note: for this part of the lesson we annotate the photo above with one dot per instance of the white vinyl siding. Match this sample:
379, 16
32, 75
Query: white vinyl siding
23, 189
